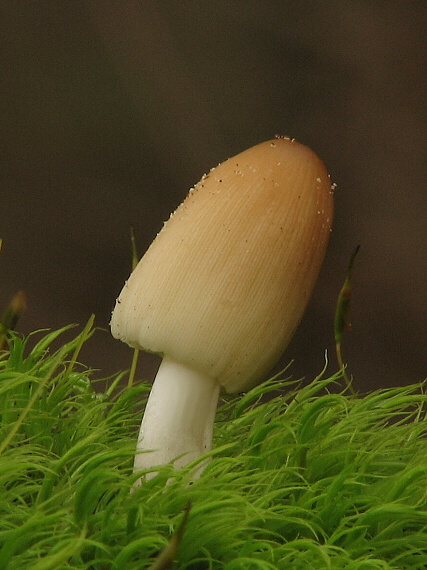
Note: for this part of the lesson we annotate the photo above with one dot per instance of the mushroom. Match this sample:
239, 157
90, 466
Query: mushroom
222, 288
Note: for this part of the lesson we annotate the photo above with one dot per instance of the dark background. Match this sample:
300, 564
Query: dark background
111, 110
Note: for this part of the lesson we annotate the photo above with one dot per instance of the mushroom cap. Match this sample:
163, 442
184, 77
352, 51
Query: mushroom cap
225, 283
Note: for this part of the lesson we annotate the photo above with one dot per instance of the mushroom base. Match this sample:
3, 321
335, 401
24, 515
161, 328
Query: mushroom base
178, 420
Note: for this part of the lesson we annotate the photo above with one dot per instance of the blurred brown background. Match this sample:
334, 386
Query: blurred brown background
111, 110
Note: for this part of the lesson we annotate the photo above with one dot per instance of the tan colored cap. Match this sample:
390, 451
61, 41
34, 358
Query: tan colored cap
226, 281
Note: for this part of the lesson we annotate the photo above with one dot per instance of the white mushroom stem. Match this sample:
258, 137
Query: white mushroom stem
178, 420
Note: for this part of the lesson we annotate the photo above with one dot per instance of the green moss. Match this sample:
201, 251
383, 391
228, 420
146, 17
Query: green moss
306, 480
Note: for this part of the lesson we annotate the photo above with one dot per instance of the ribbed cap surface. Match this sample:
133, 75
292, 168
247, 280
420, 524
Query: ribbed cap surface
225, 283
